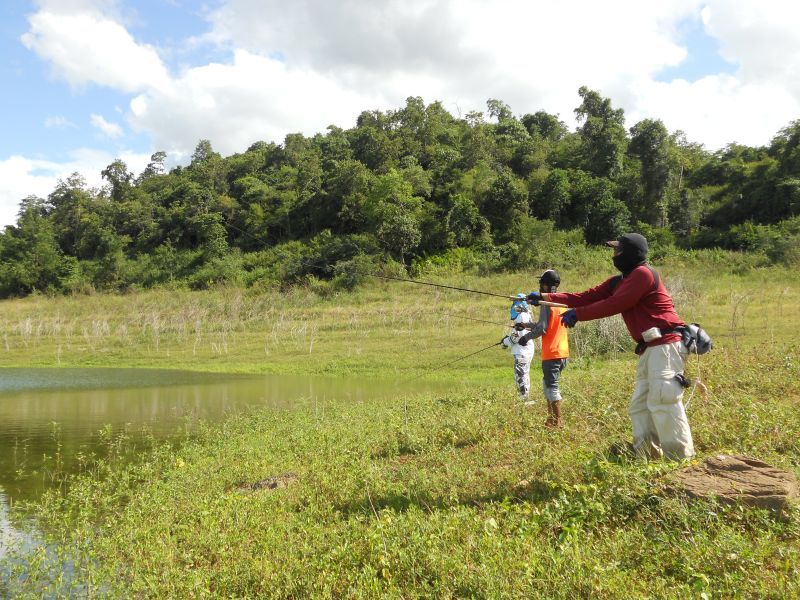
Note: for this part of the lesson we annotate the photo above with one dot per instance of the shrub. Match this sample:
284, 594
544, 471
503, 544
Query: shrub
224, 270
350, 273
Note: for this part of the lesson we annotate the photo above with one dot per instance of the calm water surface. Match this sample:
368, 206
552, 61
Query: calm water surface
49, 418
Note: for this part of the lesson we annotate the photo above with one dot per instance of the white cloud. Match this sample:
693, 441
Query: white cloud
717, 109
86, 47
352, 57
22, 176
531, 55
254, 98
336, 59
535, 55
108, 129
301, 65
58, 122
761, 37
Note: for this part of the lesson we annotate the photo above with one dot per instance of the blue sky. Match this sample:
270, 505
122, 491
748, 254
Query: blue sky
703, 57
88, 81
43, 116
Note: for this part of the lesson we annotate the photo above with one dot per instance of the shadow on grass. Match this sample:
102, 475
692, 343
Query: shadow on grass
522, 492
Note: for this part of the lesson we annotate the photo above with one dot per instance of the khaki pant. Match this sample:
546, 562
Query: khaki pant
659, 420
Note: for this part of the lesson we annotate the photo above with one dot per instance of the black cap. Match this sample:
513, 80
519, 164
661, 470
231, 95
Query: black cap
630, 240
550, 277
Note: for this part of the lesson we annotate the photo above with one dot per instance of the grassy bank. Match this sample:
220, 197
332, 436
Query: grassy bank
457, 494
382, 327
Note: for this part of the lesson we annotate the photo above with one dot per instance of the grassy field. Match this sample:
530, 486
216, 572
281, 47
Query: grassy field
458, 494
384, 327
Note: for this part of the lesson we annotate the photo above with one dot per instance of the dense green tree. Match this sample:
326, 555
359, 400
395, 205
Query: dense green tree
544, 125
413, 173
603, 134
372, 143
786, 148
395, 214
155, 166
478, 143
119, 178
650, 142
30, 259
334, 147
466, 224
347, 190
555, 196
504, 204
608, 218
208, 169
403, 184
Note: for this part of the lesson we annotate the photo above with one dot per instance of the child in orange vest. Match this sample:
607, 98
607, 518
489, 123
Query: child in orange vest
555, 347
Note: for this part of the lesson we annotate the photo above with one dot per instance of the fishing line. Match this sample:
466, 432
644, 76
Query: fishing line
698, 383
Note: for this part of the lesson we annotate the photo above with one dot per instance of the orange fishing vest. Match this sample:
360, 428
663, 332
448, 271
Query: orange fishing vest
555, 343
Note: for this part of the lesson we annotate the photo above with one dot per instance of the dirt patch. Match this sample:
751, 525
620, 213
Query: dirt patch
269, 483
738, 479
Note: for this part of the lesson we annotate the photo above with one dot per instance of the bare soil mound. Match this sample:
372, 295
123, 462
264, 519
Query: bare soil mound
738, 479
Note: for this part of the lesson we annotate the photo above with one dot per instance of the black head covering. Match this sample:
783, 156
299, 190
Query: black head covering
634, 252
549, 279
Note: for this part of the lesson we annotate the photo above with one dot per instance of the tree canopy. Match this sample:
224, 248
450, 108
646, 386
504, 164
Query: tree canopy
399, 185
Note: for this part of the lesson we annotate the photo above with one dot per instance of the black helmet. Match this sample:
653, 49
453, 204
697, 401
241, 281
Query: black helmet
550, 278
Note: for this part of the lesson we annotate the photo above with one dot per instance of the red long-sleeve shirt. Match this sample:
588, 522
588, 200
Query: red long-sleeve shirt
642, 304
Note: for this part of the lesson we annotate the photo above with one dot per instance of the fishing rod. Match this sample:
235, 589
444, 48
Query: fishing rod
317, 262
429, 371
460, 289
480, 320
449, 287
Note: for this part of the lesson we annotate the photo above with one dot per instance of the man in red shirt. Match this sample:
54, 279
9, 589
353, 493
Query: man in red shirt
660, 426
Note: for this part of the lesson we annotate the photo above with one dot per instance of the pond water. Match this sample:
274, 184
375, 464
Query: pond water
52, 419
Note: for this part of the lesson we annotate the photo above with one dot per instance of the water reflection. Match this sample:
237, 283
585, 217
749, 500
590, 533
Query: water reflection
52, 419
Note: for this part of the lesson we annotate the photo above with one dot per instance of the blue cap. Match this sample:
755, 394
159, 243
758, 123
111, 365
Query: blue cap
519, 305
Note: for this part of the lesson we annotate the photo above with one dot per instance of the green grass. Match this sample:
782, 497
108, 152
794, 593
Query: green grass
301, 332
459, 494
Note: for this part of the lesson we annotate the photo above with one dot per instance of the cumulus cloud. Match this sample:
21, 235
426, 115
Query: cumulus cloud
536, 55
342, 36
761, 37
531, 55
108, 129
753, 104
21, 177
253, 98
87, 47
302, 65
717, 109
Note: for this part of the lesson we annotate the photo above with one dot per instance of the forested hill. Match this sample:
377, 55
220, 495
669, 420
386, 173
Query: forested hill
400, 185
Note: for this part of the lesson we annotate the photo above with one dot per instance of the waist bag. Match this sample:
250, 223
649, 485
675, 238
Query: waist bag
693, 337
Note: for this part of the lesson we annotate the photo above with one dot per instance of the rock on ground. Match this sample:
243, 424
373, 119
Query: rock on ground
738, 479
